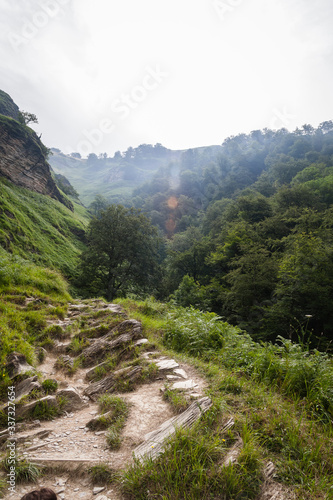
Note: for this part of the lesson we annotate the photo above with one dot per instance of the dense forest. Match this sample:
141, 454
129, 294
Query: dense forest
248, 231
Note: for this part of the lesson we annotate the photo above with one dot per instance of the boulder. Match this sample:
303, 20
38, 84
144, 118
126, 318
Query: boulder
111, 383
102, 347
73, 401
23, 411
17, 365
26, 387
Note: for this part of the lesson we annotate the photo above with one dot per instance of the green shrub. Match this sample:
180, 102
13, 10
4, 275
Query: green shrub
49, 385
116, 420
24, 470
177, 400
54, 331
194, 332
101, 474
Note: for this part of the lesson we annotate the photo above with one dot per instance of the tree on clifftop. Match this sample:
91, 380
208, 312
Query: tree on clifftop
122, 253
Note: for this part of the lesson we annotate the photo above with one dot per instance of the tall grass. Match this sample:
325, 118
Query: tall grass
291, 368
40, 229
191, 468
22, 322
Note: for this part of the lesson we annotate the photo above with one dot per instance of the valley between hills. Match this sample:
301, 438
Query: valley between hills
169, 336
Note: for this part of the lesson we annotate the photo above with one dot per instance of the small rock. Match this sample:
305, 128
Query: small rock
166, 364
72, 398
98, 489
181, 372
195, 395
141, 342
187, 384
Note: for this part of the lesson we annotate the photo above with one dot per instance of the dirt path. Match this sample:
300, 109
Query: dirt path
67, 443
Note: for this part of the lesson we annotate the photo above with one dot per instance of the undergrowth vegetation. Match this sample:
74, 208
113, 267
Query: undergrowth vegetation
280, 395
114, 414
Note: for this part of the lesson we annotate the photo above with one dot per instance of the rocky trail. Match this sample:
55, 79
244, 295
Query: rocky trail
70, 443
97, 351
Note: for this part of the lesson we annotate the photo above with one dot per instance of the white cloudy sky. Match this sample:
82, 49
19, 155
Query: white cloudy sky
86, 68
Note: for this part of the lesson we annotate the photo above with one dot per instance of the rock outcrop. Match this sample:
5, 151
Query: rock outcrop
8, 106
23, 155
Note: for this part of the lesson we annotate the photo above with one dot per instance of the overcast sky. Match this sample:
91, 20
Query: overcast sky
103, 75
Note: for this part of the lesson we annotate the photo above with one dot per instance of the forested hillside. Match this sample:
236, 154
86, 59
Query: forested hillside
249, 234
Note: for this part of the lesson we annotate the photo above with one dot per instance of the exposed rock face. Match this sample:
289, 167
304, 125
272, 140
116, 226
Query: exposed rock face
23, 155
8, 106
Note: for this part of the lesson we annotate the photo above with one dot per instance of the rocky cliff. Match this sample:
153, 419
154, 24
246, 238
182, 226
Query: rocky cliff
8, 106
23, 155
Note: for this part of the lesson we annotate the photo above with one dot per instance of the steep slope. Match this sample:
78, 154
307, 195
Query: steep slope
23, 157
41, 229
8, 106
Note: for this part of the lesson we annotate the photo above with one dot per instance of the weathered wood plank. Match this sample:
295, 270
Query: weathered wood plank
155, 441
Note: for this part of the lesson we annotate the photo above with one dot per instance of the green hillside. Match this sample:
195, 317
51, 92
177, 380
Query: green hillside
40, 229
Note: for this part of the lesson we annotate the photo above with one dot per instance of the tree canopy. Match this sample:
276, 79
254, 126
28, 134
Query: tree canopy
121, 255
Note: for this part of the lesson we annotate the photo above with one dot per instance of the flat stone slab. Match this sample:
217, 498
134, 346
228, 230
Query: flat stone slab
141, 342
115, 308
182, 373
184, 385
155, 441
98, 489
166, 364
